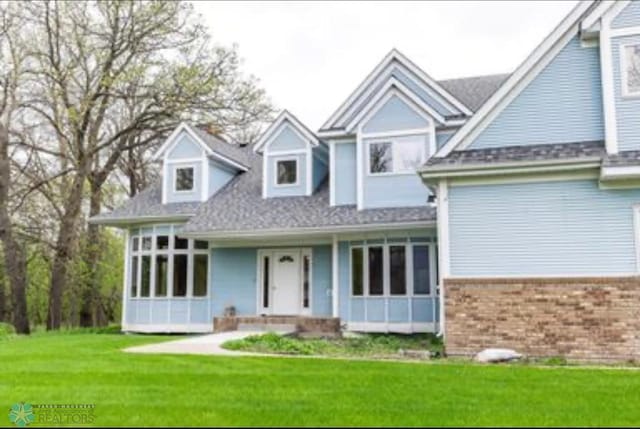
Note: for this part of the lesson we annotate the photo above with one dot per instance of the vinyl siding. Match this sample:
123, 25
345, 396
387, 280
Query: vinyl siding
544, 228
321, 302
443, 137
193, 195
395, 114
563, 104
286, 139
345, 173
185, 148
627, 108
628, 17
320, 169
233, 280
219, 175
287, 191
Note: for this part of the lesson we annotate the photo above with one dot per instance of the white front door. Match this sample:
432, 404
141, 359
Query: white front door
286, 282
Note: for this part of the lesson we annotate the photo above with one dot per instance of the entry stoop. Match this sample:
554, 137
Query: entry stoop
298, 324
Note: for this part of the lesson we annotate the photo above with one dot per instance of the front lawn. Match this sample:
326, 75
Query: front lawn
149, 390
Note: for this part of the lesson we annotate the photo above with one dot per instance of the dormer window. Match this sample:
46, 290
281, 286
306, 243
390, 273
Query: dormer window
631, 70
286, 172
184, 179
399, 155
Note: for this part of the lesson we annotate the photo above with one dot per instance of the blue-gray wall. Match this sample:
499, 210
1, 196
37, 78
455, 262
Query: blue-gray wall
627, 108
628, 17
345, 173
395, 114
544, 228
178, 197
563, 104
289, 190
287, 139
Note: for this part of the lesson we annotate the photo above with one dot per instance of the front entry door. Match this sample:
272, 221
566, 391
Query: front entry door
286, 282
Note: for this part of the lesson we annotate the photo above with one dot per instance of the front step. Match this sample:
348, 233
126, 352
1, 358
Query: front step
287, 328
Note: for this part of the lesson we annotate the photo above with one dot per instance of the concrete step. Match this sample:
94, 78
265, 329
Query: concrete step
267, 327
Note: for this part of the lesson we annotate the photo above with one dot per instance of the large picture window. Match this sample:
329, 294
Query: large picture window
631, 70
408, 269
397, 155
163, 265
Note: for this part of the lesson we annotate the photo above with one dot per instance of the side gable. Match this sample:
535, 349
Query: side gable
524, 75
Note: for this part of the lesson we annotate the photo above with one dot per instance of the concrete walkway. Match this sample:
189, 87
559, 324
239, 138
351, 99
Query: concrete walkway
209, 344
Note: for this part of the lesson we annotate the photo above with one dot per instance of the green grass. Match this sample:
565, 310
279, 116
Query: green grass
148, 390
372, 346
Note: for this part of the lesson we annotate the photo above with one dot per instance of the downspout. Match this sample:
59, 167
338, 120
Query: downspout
334, 276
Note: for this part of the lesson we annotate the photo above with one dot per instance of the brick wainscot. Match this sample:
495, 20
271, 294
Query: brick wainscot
593, 319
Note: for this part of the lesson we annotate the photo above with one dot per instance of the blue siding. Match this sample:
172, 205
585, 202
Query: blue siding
628, 17
219, 175
562, 104
185, 148
345, 173
627, 108
195, 194
287, 191
233, 280
544, 228
287, 139
395, 114
443, 137
320, 170
321, 285
402, 190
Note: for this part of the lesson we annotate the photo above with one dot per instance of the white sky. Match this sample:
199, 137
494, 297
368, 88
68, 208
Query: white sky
309, 56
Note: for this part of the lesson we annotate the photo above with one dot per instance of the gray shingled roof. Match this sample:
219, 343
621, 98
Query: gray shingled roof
622, 159
239, 206
147, 203
510, 154
228, 150
474, 91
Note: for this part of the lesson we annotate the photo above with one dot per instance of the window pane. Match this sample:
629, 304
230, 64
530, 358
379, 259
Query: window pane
421, 270
633, 69
397, 265
200, 269
180, 243
134, 276
162, 262
136, 243
179, 275
145, 276
380, 157
265, 282
162, 242
287, 173
306, 266
408, 153
146, 243
184, 179
375, 271
201, 244
356, 271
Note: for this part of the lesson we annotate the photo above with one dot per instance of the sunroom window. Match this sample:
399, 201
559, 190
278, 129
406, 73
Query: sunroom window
165, 265
631, 70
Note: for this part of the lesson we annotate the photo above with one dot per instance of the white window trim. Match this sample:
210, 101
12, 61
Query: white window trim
275, 161
622, 49
394, 141
190, 251
262, 253
175, 178
386, 293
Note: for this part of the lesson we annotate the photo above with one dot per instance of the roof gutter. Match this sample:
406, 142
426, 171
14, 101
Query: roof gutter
125, 221
289, 232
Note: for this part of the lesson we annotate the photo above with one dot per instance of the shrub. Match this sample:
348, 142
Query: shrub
6, 330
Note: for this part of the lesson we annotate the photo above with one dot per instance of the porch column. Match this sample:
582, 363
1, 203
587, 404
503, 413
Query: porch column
334, 276
127, 276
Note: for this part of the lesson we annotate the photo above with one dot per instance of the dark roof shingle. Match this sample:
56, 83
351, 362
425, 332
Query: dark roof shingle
474, 91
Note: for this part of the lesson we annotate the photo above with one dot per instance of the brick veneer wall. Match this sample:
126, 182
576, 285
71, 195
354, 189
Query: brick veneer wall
579, 318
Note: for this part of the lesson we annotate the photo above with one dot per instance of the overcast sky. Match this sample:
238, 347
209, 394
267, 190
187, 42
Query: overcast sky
309, 56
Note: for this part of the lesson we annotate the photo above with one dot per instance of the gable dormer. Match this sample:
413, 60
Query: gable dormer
384, 131
294, 159
192, 167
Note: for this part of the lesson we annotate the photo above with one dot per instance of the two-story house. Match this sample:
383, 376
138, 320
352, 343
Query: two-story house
331, 224
497, 211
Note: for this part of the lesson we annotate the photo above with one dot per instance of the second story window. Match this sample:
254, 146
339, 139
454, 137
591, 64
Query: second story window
396, 156
184, 179
286, 172
631, 70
